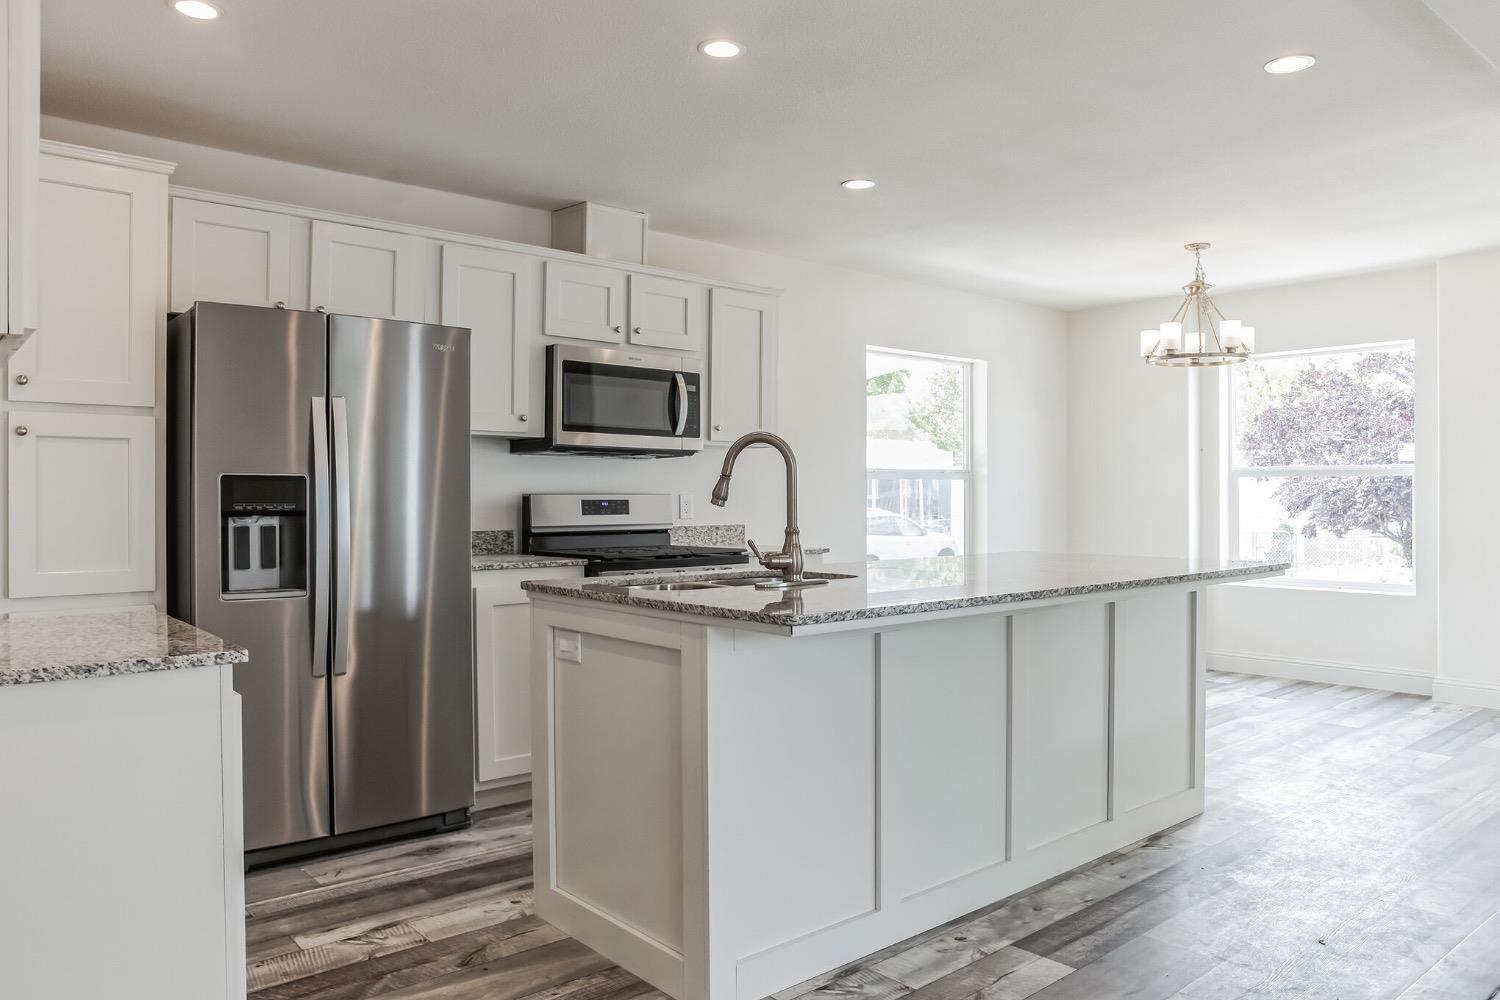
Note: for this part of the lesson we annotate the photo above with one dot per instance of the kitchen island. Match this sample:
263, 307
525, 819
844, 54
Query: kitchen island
737, 789
121, 825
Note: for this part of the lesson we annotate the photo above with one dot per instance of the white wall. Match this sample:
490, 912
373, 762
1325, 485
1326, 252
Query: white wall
1141, 483
828, 315
1469, 406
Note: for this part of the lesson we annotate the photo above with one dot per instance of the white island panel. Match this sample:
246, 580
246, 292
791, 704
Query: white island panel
944, 733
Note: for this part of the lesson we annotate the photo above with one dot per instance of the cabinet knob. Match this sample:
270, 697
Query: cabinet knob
636, 329
616, 329
322, 309
718, 427
280, 305
523, 418
22, 430
23, 380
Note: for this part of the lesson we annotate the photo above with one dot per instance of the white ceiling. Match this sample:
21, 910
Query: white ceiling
1056, 151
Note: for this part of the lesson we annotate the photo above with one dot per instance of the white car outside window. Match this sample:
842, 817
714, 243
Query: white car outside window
889, 535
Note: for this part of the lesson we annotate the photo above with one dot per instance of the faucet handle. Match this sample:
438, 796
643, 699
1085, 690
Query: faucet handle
755, 550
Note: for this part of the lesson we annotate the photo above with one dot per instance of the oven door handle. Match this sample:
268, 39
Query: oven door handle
682, 403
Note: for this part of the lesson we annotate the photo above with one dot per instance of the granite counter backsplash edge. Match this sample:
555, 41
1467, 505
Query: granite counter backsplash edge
502, 541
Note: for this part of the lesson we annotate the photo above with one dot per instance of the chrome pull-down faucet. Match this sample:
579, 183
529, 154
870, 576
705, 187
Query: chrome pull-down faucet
789, 561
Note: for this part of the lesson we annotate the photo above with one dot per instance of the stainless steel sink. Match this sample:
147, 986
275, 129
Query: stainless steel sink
750, 581
682, 585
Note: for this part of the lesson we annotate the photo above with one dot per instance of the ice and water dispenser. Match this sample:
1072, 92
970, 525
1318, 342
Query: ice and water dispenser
264, 536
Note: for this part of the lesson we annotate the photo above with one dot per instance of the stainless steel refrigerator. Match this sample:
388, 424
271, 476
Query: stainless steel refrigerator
318, 491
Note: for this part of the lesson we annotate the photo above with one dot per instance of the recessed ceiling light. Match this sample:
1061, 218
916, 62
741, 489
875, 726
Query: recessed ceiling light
1289, 64
857, 184
196, 9
720, 48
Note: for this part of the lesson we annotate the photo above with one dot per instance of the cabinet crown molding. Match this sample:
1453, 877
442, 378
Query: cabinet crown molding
54, 148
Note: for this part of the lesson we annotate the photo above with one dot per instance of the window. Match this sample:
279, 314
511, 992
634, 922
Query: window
1321, 457
918, 444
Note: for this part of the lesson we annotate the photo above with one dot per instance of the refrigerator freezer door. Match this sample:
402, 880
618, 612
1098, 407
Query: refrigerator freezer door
402, 671
255, 373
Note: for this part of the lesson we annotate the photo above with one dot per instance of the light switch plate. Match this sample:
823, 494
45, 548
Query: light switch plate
685, 506
569, 646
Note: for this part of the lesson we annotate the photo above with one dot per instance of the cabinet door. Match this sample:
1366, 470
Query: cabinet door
502, 671
20, 118
103, 286
496, 295
585, 302
223, 253
666, 312
741, 364
81, 503
367, 272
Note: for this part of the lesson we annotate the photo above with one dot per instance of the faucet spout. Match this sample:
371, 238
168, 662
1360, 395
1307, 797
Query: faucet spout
789, 561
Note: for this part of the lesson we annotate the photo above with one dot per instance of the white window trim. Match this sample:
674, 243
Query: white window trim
965, 474
1232, 474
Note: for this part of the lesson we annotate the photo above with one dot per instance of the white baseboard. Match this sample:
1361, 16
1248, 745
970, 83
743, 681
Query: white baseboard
1325, 672
1467, 693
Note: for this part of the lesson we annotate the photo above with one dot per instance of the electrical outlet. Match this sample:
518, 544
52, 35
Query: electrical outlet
685, 506
569, 646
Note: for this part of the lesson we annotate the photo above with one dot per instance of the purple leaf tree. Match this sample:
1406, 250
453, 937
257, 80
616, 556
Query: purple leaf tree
1337, 412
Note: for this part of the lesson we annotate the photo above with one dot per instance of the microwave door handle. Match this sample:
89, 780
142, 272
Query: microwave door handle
322, 534
682, 403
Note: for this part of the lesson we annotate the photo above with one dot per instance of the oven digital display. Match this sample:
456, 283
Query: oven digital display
595, 507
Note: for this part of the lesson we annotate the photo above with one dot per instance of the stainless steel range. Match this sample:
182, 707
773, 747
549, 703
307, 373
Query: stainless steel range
618, 533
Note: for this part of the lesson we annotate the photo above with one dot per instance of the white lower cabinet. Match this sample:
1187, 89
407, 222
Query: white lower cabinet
741, 364
497, 295
367, 272
81, 516
225, 253
103, 281
502, 671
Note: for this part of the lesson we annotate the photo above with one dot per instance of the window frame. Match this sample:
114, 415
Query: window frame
965, 474
1232, 474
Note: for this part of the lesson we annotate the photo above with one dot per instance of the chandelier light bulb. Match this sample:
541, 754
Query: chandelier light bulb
1214, 339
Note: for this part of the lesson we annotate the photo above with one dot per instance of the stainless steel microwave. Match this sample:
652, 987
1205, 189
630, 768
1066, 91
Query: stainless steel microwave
614, 401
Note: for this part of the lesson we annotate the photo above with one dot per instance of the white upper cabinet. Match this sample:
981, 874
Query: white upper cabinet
224, 253
368, 272
102, 277
497, 295
585, 302
741, 364
20, 118
667, 312
81, 516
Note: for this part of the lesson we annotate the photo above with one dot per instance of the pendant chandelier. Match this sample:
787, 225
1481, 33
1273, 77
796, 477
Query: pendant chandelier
1213, 339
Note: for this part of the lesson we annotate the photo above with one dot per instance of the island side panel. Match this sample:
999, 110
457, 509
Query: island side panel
616, 797
1004, 749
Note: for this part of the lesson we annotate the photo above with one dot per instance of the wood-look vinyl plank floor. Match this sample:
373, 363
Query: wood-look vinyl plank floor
1350, 851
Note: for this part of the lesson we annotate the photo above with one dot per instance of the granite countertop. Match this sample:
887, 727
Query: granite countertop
513, 560
37, 647
860, 591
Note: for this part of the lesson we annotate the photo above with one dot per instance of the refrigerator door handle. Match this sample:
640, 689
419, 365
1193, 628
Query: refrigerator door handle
322, 534
343, 534
682, 404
